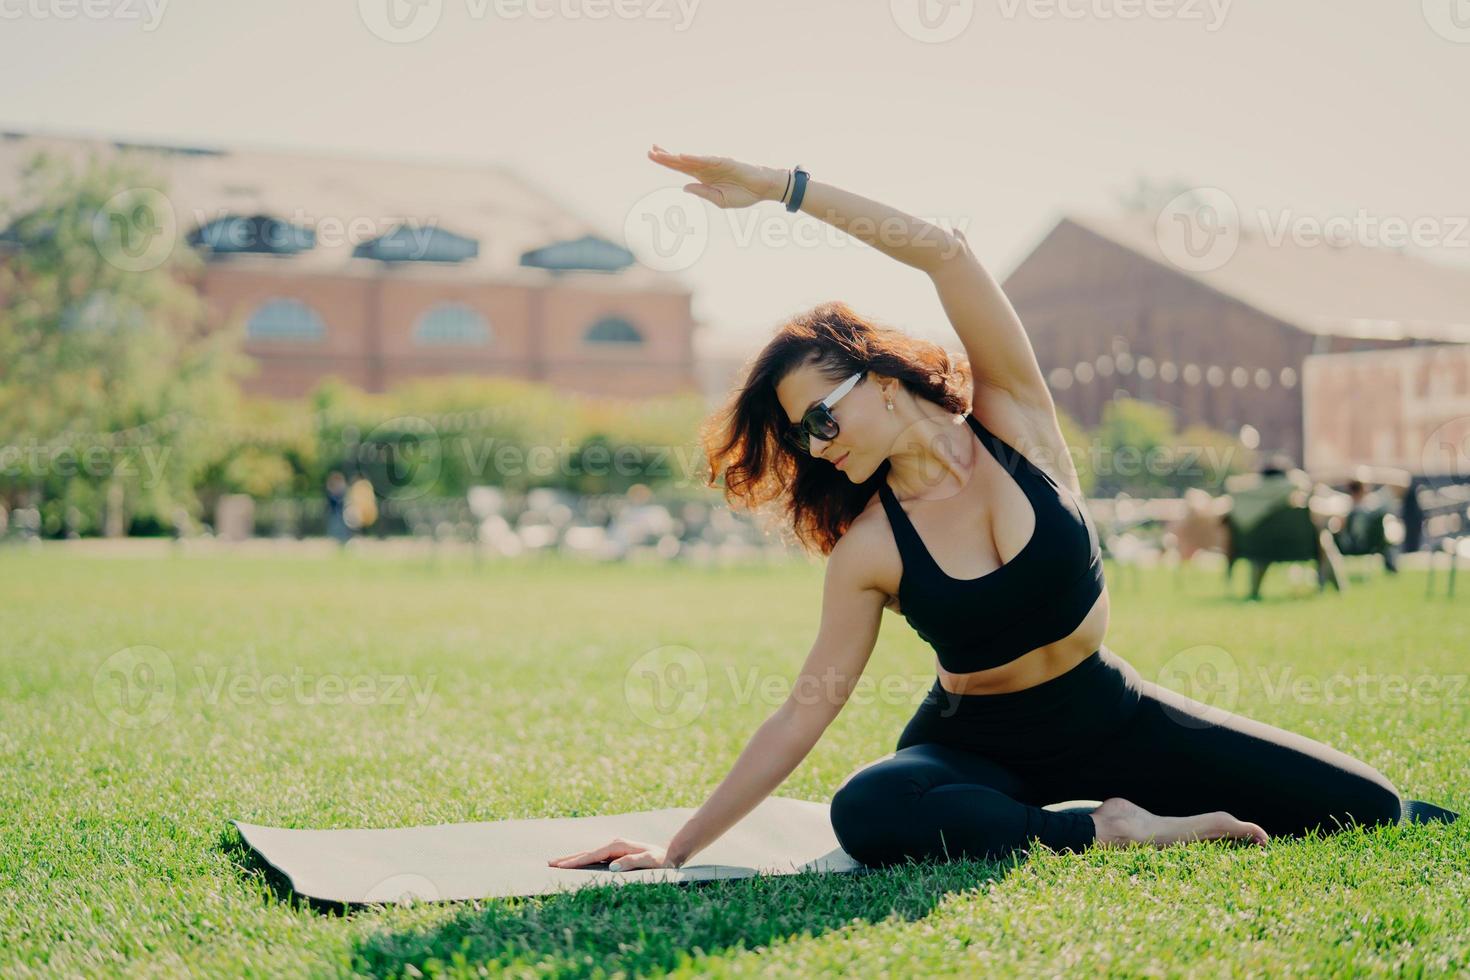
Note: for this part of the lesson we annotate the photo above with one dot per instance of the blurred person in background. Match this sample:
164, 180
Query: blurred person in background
360, 510
1279, 484
336, 490
1362, 526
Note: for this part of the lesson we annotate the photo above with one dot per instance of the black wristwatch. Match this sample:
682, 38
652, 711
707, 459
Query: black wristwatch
799, 177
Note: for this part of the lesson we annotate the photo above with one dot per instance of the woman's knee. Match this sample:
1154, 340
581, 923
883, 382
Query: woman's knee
867, 812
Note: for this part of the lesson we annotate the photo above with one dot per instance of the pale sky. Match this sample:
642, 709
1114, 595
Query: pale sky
1312, 107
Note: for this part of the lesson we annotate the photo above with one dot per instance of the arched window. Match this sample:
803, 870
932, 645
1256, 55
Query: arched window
284, 319
613, 330
255, 233
452, 324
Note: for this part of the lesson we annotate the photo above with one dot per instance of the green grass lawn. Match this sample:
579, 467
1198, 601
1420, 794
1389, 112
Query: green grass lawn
116, 855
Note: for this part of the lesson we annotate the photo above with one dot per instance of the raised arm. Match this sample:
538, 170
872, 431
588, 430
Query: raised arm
851, 610
1000, 352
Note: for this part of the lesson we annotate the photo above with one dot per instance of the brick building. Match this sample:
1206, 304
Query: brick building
1404, 409
380, 270
1109, 313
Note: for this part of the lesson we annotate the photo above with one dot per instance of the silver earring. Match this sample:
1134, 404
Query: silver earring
890, 406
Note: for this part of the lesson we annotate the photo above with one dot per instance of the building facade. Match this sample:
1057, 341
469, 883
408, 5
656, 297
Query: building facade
1405, 409
1110, 315
379, 271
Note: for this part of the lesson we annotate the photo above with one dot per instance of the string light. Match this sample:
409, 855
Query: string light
1084, 372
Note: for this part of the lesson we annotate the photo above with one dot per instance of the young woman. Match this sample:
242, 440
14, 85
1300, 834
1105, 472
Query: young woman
921, 480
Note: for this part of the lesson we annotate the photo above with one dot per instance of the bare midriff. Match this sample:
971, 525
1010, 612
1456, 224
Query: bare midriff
1039, 665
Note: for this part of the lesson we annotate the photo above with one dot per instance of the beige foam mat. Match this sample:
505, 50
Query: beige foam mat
506, 858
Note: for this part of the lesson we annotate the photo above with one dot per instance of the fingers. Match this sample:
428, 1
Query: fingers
664, 156
674, 163
703, 158
686, 162
612, 849
632, 862
683, 164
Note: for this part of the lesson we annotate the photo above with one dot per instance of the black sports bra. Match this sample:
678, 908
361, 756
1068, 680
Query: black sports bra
1036, 598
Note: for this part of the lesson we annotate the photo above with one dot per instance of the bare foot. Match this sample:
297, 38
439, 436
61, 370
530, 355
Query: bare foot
1120, 822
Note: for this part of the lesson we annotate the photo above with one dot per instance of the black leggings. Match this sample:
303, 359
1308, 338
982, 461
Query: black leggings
972, 773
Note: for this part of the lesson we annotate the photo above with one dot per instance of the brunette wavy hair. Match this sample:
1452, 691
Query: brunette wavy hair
742, 440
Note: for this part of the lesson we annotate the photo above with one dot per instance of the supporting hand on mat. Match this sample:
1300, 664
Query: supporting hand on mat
723, 182
626, 855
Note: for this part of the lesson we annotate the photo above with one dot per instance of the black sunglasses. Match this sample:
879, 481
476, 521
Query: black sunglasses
818, 420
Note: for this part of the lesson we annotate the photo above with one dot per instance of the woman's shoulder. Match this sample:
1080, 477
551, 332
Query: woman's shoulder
853, 537
866, 553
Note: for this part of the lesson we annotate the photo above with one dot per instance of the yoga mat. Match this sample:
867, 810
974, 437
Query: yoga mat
507, 858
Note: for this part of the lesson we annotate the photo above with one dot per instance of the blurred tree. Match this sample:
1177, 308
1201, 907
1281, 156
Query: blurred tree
1133, 437
111, 375
268, 449
1219, 454
1136, 450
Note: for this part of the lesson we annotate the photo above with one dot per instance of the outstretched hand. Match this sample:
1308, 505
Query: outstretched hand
724, 182
627, 855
